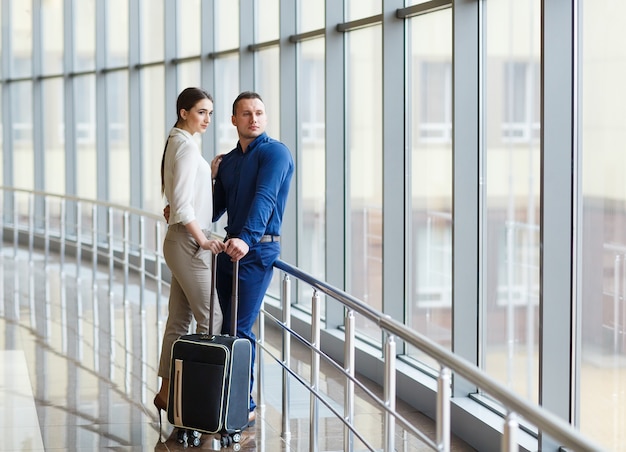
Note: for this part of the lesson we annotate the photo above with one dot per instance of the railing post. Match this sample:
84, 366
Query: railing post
286, 430
315, 370
443, 409
79, 241
31, 227
94, 285
158, 262
46, 231
348, 435
126, 307
509, 436
390, 393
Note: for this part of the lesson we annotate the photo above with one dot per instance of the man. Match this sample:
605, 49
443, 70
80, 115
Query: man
251, 186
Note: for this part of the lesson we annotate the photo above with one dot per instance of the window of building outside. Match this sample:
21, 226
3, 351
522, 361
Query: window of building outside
602, 255
511, 195
429, 304
365, 208
521, 111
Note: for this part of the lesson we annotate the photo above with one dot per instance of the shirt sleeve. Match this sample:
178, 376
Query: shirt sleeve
219, 198
274, 167
184, 172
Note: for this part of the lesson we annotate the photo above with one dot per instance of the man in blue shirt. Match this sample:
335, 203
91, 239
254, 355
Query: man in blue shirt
251, 186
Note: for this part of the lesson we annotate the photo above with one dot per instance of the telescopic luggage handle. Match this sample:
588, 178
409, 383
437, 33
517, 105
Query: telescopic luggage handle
234, 296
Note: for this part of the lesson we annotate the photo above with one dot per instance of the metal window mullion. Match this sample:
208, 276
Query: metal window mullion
289, 104
37, 90
557, 223
336, 161
466, 187
71, 182
247, 13
395, 203
102, 137
135, 112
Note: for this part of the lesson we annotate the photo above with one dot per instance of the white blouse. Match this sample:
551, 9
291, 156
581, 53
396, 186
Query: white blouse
187, 180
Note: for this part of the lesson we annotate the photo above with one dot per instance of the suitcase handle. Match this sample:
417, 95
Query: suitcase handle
234, 297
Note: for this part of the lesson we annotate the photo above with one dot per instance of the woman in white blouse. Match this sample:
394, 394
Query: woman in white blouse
186, 183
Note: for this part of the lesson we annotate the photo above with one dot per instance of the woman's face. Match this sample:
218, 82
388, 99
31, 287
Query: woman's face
198, 118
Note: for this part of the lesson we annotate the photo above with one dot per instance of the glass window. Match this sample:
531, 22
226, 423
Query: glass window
117, 33
53, 132
188, 16
85, 114
312, 146
359, 9
511, 247
364, 132
267, 20
22, 122
119, 156
268, 86
602, 264
429, 308
226, 25
188, 74
52, 37
151, 29
311, 15
21, 38
226, 90
85, 34
153, 135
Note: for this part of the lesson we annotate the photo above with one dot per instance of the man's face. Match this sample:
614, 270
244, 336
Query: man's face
250, 118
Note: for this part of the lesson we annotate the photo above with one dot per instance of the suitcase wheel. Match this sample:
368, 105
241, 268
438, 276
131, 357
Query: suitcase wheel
189, 438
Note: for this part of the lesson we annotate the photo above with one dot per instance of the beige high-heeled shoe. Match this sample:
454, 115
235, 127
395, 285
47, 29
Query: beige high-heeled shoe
161, 405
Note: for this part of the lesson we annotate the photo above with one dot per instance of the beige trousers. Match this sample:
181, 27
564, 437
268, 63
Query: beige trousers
190, 291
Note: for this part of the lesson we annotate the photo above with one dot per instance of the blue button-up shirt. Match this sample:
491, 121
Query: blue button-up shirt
252, 188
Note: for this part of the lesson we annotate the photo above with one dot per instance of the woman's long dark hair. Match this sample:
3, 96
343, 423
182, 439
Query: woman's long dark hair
186, 101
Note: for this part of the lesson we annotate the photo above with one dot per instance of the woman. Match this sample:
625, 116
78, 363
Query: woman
186, 183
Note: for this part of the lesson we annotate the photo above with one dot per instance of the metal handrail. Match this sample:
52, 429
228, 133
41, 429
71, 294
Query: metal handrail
450, 363
540, 417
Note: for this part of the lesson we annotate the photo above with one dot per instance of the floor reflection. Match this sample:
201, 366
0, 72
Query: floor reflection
78, 354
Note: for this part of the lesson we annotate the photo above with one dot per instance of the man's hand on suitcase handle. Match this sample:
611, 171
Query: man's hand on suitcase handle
236, 249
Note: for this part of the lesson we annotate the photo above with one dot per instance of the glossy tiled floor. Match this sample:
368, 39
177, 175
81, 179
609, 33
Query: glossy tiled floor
78, 371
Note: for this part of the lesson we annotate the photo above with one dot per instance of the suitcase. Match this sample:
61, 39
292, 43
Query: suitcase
210, 378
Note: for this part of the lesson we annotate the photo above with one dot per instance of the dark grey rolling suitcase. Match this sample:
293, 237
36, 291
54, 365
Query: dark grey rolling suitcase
210, 379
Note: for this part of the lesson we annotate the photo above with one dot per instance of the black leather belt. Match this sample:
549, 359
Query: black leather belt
264, 238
